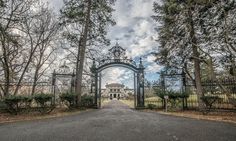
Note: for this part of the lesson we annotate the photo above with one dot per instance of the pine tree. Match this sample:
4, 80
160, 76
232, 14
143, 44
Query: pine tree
218, 28
179, 36
88, 19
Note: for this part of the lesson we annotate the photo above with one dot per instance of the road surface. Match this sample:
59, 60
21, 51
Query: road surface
117, 122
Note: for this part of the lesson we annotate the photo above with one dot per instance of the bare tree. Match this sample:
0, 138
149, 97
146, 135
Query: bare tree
44, 55
12, 13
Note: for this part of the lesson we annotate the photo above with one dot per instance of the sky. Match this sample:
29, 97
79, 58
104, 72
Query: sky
135, 32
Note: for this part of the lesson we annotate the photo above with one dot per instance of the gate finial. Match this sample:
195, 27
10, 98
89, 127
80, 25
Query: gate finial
93, 68
141, 63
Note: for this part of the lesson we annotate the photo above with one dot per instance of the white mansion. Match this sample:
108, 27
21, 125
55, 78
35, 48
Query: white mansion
117, 91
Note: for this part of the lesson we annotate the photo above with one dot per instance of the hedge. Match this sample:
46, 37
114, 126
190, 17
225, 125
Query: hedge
44, 102
69, 99
16, 103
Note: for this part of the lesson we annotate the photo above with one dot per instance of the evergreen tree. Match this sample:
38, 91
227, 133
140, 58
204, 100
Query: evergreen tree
218, 28
179, 35
88, 20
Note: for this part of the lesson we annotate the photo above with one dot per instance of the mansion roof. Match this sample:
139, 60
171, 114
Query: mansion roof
115, 85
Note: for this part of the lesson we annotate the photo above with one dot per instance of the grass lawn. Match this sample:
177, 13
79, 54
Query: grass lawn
191, 97
104, 101
153, 98
130, 103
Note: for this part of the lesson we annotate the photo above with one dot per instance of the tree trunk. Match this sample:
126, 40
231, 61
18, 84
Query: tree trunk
79, 75
24, 70
35, 80
211, 69
232, 70
196, 59
77, 68
7, 80
6, 70
37, 68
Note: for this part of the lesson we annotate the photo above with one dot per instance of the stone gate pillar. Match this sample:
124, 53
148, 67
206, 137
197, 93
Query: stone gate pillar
135, 89
94, 83
54, 86
141, 84
99, 89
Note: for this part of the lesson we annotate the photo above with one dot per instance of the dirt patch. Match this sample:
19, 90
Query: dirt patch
225, 116
59, 112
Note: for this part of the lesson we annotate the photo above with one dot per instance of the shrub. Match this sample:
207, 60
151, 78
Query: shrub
14, 103
45, 102
43, 99
160, 93
3, 106
209, 101
69, 99
232, 101
151, 106
171, 94
27, 100
87, 101
183, 95
174, 97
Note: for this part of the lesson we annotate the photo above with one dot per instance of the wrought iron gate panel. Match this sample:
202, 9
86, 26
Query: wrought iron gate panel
116, 58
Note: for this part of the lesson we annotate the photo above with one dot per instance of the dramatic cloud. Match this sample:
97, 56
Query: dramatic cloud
114, 75
151, 58
55, 4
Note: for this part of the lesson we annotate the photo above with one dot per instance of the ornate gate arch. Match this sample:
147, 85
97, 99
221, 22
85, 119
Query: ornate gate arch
117, 58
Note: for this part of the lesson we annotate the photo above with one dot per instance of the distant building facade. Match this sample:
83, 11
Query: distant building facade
117, 91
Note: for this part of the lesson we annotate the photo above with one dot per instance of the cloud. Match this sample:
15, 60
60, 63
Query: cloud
150, 58
123, 9
56, 5
117, 75
142, 8
142, 28
153, 68
141, 47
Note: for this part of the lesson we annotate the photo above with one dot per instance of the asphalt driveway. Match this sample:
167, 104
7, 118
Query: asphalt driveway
117, 122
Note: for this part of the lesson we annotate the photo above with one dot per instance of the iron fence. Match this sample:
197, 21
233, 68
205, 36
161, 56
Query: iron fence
225, 89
